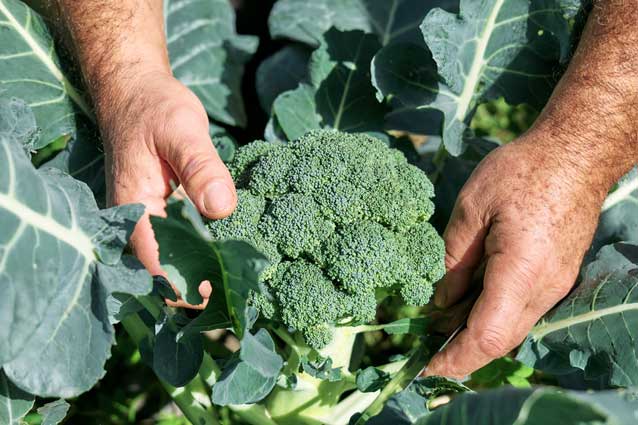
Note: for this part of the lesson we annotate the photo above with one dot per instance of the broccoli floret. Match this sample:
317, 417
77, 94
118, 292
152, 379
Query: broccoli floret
295, 224
343, 220
363, 256
243, 225
306, 297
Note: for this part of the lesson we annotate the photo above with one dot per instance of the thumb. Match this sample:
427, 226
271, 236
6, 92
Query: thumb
194, 160
464, 242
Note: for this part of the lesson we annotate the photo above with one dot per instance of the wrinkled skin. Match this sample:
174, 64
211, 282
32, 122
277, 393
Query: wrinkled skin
531, 219
529, 210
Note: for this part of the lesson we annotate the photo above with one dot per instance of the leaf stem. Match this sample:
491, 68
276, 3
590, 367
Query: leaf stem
183, 397
417, 361
438, 160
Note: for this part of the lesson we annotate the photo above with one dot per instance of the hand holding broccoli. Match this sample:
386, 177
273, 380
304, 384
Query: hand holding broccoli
532, 220
156, 132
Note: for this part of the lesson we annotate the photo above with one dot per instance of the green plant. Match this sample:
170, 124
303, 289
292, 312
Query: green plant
342, 220
386, 72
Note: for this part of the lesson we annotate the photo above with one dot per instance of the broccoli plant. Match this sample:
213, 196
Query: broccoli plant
330, 225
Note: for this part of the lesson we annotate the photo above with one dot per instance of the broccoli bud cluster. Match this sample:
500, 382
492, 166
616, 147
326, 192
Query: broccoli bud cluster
343, 220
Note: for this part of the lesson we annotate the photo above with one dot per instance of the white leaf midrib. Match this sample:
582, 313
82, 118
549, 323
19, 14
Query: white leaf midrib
472, 80
542, 330
5, 385
620, 194
46, 59
72, 236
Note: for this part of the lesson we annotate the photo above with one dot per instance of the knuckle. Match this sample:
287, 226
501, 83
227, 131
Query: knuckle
193, 166
451, 259
525, 274
493, 342
184, 117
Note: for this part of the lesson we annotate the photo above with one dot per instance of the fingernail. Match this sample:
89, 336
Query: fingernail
218, 198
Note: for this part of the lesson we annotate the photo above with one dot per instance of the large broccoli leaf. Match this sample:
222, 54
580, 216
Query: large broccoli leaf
60, 261
30, 70
390, 20
306, 22
594, 329
619, 218
339, 94
208, 56
281, 72
490, 49
14, 403
540, 406
17, 122
250, 376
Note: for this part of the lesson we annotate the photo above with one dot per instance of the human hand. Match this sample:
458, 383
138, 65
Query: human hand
529, 211
155, 132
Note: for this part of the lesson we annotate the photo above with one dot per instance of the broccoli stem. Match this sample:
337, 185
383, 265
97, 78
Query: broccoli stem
359, 401
417, 361
340, 349
367, 328
254, 414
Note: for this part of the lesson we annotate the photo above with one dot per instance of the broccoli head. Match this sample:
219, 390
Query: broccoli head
343, 220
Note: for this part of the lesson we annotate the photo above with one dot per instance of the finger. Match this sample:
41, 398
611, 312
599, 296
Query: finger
192, 155
464, 238
493, 326
205, 290
134, 175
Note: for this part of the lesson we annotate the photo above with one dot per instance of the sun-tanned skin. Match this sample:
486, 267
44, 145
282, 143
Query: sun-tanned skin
154, 129
529, 209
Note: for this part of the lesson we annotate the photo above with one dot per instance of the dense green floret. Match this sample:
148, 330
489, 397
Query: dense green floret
343, 220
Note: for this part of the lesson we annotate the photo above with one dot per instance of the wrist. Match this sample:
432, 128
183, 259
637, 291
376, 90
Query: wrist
591, 164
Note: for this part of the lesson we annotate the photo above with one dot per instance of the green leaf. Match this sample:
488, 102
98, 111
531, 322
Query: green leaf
405, 408
502, 371
339, 95
208, 56
399, 20
259, 352
371, 379
224, 142
295, 111
30, 70
251, 376
17, 122
175, 361
53, 413
14, 403
321, 368
58, 256
83, 159
594, 329
306, 21
490, 49
389, 20
281, 72
618, 219
410, 405
189, 257
542, 406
